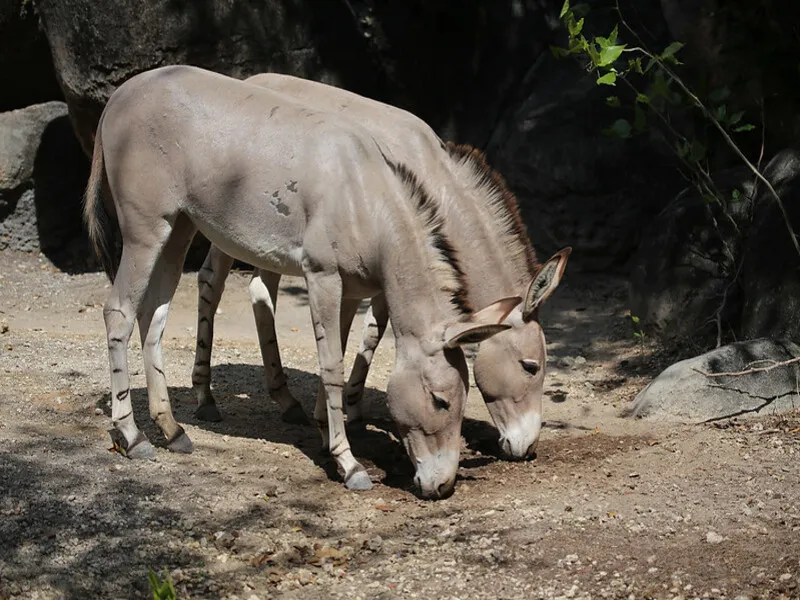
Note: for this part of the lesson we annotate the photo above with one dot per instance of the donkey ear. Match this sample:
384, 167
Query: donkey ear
496, 312
544, 283
470, 333
481, 325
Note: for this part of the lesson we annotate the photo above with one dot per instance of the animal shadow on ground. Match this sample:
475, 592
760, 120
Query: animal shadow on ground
249, 412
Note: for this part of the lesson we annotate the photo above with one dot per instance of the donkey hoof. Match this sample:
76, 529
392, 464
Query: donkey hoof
208, 412
143, 450
356, 428
181, 443
358, 481
295, 415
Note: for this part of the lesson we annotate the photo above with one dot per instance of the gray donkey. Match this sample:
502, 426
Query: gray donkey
483, 222
294, 191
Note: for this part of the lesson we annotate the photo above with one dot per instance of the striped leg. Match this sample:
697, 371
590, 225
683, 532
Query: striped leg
325, 297
374, 327
152, 321
210, 285
119, 314
347, 314
264, 297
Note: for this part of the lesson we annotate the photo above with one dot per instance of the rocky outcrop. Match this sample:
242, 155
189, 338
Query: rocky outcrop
457, 77
761, 380
42, 177
704, 272
683, 282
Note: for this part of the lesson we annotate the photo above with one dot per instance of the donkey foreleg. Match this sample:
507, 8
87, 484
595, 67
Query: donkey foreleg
325, 298
264, 298
347, 314
210, 285
374, 327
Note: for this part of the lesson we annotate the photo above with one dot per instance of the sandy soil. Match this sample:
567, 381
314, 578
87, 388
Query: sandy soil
610, 507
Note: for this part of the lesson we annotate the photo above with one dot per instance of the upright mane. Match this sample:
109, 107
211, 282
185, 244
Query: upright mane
447, 270
501, 203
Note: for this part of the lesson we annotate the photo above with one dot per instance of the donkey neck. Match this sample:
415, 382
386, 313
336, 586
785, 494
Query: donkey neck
483, 212
423, 282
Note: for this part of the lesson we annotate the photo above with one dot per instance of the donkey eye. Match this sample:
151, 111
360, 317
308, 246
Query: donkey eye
530, 365
439, 402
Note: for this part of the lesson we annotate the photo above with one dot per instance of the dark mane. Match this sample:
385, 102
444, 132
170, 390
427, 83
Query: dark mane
428, 210
493, 181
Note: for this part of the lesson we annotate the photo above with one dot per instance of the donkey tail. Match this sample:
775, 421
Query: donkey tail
100, 222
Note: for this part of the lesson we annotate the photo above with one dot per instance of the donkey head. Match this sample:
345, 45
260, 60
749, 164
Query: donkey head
509, 368
427, 392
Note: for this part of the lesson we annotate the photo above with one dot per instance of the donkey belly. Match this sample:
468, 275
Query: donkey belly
253, 227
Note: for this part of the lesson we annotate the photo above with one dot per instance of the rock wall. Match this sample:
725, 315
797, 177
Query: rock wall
42, 177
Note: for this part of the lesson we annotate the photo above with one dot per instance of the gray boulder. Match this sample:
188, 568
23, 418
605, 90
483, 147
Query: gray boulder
42, 177
685, 392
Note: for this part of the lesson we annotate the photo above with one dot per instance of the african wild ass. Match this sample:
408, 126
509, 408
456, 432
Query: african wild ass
289, 190
483, 223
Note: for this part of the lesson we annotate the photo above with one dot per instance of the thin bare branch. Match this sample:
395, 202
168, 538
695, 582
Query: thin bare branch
776, 365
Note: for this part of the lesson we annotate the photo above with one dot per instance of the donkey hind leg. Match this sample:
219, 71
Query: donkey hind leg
347, 314
374, 327
264, 297
152, 321
324, 298
119, 314
210, 285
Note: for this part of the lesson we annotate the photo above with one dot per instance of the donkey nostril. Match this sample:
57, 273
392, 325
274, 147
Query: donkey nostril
445, 489
531, 451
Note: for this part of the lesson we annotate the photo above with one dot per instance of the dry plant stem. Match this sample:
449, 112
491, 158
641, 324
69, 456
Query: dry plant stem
731, 144
776, 365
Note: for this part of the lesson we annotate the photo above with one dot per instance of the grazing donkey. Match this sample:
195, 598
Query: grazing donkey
482, 220
294, 191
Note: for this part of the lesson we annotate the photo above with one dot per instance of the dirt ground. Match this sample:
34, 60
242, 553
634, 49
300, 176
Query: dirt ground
610, 507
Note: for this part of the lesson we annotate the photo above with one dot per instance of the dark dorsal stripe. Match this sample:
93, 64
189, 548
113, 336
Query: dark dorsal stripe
439, 240
492, 180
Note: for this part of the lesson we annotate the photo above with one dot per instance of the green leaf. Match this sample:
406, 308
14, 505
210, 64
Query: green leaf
594, 56
609, 78
721, 112
747, 127
620, 128
669, 52
650, 64
642, 98
735, 117
574, 27
613, 101
612, 38
559, 52
736, 195
564, 9
634, 318
635, 65
609, 54
711, 199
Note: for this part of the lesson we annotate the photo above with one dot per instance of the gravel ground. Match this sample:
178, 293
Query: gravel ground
610, 507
